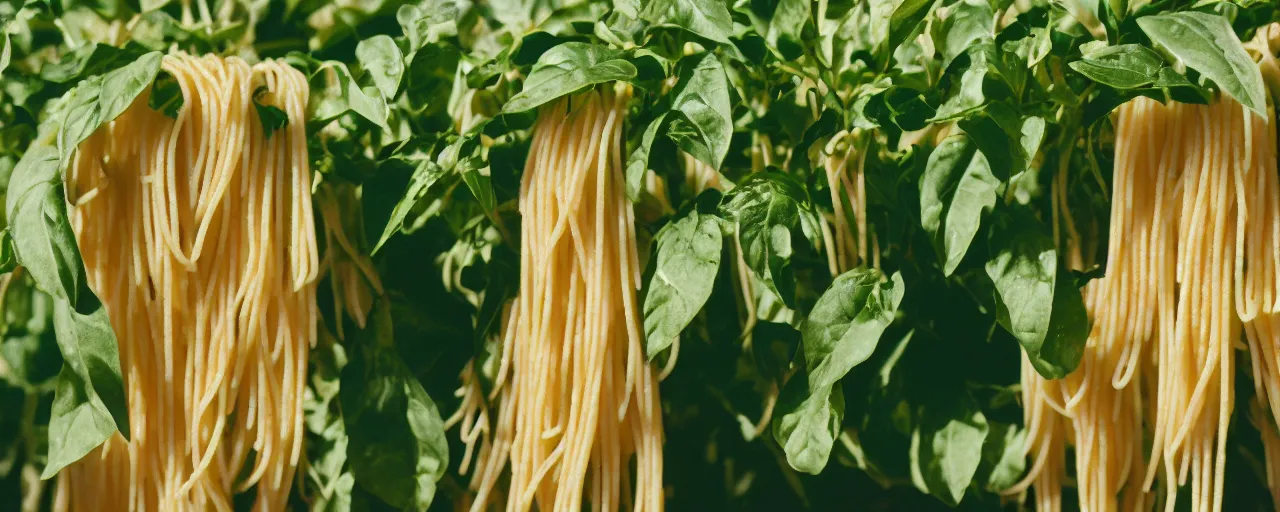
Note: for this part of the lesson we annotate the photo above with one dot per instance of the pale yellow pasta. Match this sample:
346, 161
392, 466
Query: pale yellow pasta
197, 233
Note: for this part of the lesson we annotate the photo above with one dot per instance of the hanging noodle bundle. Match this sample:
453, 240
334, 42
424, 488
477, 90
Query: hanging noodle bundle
197, 233
1193, 263
577, 405
845, 232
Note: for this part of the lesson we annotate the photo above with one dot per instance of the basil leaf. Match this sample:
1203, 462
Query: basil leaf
688, 257
946, 447
424, 176
708, 19
638, 159
166, 95
1125, 66
702, 97
766, 207
807, 423
1206, 43
382, 60
845, 324
429, 23
333, 99
566, 69
956, 188
396, 442
99, 100
1046, 314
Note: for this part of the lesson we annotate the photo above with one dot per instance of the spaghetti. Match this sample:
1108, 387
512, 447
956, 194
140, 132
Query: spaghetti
197, 232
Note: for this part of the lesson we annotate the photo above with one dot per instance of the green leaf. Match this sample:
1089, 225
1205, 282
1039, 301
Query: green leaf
271, 117
705, 18
946, 447
429, 23
166, 95
78, 423
90, 59
99, 100
705, 125
1125, 66
967, 23
1003, 457
638, 159
766, 207
1044, 313
566, 69
382, 60
331, 99
967, 94
781, 23
956, 188
6, 49
688, 256
8, 260
429, 79
807, 423
426, 175
845, 324
396, 441
906, 20
42, 238
1206, 43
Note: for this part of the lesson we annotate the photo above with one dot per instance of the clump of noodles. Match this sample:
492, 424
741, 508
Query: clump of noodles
1193, 257
845, 233
576, 404
197, 233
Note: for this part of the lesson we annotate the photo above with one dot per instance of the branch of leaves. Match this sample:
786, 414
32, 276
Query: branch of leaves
1205, 43
89, 403
962, 183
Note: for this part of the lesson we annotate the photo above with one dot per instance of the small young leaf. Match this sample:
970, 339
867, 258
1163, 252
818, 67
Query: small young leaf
166, 95
271, 117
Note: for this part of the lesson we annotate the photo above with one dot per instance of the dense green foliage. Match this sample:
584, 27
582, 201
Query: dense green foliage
895, 388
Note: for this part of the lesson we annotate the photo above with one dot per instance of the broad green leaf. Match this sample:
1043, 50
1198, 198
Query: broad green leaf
957, 187
42, 238
396, 441
765, 208
845, 324
101, 99
688, 257
967, 23
429, 23
1044, 313
807, 423
1207, 43
706, 18
705, 125
78, 423
1123, 66
946, 447
90, 59
567, 69
382, 60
